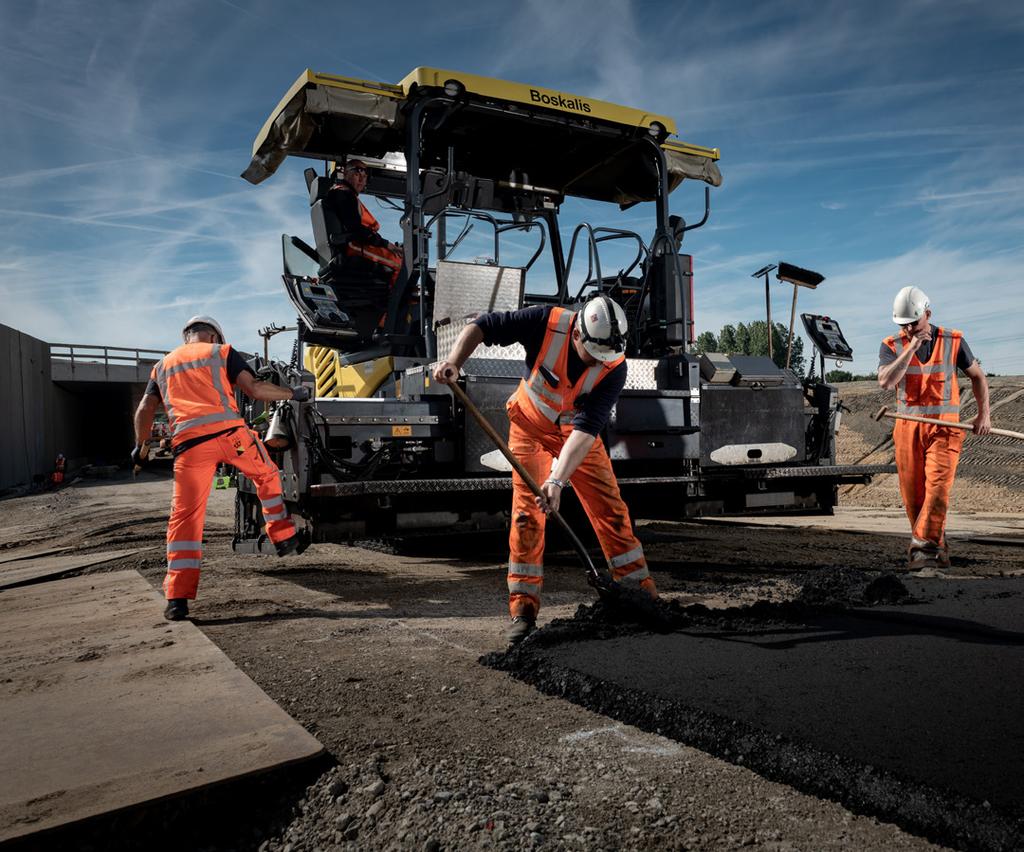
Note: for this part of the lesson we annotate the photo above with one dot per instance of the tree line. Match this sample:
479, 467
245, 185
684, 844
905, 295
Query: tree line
752, 339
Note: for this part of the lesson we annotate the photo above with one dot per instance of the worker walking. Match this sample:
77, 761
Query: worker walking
575, 370
196, 383
921, 363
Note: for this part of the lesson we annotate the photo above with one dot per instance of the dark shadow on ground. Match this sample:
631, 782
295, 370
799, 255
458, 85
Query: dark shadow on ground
236, 814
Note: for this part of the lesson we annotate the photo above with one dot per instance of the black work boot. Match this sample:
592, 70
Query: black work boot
521, 627
926, 559
177, 609
295, 544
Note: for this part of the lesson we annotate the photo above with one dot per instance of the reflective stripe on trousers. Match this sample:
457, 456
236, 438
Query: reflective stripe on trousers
274, 509
595, 485
525, 581
926, 460
630, 568
380, 255
193, 474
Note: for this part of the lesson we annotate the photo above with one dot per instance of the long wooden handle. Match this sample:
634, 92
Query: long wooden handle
531, 483
499, 442
952, 424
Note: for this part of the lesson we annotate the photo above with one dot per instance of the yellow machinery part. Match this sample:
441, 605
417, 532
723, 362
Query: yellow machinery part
349, 380
322, 362
534, 96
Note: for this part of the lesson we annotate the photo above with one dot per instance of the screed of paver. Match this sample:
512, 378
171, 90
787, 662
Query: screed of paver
24, 571
105, 705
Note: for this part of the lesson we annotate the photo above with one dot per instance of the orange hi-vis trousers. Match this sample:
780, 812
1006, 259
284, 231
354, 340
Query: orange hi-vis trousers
598, 491
193, 475
926, 458
391, 260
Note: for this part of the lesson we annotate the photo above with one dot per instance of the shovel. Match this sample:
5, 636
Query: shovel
951, 424
640, 605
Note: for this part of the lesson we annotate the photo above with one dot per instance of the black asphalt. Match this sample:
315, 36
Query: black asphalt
913, 712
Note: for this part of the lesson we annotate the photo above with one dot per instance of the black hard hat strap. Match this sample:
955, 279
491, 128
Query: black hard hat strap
615, 337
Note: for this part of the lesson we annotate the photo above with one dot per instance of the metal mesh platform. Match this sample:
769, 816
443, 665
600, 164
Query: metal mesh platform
820, 470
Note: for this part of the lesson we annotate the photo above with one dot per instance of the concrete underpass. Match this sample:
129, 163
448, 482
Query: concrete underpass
76, 400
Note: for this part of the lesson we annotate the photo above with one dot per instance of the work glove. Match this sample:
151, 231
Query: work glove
140, 457
300, 394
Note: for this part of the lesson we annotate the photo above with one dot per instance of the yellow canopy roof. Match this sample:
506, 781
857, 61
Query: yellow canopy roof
499, 130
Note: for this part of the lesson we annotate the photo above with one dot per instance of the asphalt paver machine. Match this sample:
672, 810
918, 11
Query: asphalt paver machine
381, 450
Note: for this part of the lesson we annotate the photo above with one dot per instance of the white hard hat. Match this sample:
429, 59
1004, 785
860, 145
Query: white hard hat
603, 328
909, 305
204, 320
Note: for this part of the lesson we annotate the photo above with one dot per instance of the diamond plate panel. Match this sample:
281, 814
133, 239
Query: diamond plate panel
433, 486
462, 290
411, 486
505, 368
446, 335
641, 374
510, 362
821, 470
497, 368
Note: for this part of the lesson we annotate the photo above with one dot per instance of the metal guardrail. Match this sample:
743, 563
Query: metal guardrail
79, 353
78, 362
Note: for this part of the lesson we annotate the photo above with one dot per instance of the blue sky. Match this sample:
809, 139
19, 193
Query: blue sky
880, 144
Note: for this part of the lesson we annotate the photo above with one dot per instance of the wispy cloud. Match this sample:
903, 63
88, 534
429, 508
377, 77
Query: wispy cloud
127, 125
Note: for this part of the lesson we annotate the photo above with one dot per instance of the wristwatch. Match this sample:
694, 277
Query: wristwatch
561, 483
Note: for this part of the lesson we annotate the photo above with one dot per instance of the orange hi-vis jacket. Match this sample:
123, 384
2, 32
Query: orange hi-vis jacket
378, 254
930, 389
196, 391
546, 395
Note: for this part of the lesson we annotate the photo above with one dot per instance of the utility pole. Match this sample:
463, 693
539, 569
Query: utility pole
269, 331
766, 271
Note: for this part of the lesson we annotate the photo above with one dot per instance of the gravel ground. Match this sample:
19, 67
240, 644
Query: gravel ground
377, 654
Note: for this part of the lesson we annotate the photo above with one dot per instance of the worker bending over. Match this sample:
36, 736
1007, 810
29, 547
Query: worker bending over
196, 384
575, 371
921, 363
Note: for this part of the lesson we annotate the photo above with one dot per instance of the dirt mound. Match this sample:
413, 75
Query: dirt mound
991, 471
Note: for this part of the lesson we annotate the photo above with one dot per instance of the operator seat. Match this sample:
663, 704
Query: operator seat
361, 288
328, 233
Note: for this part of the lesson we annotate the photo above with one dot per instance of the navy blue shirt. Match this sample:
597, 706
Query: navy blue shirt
528, 326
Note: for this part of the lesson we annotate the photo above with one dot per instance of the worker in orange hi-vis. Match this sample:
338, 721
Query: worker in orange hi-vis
921, 363
360, 223
575, 370
196, 384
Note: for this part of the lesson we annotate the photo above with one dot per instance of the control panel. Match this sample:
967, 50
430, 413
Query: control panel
323, 302
827, 337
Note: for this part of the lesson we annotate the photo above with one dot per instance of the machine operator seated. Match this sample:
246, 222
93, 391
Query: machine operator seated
364, 249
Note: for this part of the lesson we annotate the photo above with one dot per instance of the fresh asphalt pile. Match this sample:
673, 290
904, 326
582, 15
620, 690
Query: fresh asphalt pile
900, 699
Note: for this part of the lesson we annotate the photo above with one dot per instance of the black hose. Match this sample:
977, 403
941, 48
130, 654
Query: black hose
340, 468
